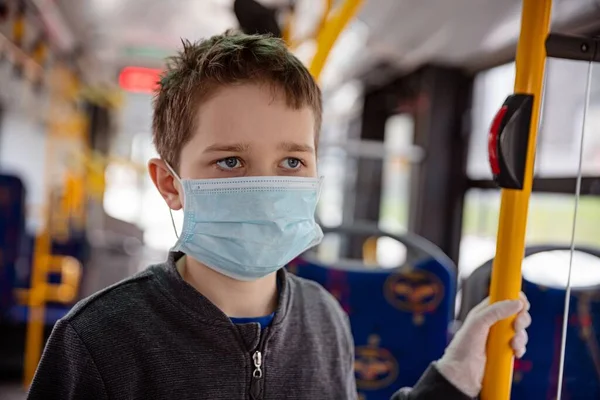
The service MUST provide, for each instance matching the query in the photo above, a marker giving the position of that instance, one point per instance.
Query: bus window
(395, 189)
(490, 89)
(558, 144)
(550, 221)
(550, 214)
(399, 132)
(23, 153)
(340, 122)
(122, 196)
(562, 118)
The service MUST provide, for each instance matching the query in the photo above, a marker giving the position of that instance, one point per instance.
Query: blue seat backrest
(399, 318)
(12, 230)
(75, 247)
(536, 375)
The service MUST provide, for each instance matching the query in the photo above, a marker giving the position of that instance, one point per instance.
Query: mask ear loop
(173, 222)
(172, 171)
(320, 184)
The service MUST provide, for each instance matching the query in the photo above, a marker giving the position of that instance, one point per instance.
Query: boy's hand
(463, 363)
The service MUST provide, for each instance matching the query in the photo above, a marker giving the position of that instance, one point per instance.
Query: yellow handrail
(506, 272)
(33, 71)
(65, 89)
(288, 26)
(286, 32)
(64, 292)
(37, 293)
(369, 251)
(324, 18)
(329, 33)
(19, 26)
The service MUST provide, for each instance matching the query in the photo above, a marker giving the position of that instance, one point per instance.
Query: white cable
(563, 344)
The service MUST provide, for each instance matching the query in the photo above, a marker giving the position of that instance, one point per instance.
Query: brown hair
(201, 68)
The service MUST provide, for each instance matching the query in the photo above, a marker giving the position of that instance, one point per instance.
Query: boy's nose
(262, 169)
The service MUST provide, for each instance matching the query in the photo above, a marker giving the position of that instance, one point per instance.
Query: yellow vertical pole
(19, 25)
(330, 32)
(286, 32)
(37, 294)
(82, 194)
(510, 247)
(34, 339)
(325, 16)
(288, 25)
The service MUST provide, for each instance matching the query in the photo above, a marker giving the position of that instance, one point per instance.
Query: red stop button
(493, 144)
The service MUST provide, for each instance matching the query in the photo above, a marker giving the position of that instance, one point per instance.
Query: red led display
(139, 79)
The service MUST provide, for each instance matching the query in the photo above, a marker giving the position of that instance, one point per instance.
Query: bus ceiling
(388, 35)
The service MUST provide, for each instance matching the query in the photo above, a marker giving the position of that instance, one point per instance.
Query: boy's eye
(291, 163)
(229, 163)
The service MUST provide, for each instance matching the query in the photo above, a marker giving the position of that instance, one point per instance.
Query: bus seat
(399, 317)
(475, 288)
(536, 374)
(53, 310)
(76, 246)
(12, 228)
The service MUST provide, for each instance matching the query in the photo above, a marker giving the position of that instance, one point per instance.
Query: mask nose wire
(171, 211)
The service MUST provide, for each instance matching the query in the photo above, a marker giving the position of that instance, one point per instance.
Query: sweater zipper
(257, 383)
(257, 360)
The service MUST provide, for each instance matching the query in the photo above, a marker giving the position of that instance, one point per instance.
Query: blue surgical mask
(247, 228)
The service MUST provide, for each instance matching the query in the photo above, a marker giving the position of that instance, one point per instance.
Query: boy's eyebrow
(295, 147)
(232, 148)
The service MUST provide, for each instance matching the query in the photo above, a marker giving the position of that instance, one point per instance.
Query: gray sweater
(155, 337)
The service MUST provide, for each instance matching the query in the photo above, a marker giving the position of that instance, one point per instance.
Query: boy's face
(243, 130)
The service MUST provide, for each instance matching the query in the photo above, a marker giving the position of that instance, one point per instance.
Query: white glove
(463, 363)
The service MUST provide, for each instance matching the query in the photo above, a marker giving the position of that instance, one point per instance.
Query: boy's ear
(166, 184)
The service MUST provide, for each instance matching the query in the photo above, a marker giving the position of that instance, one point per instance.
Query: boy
(236, 123)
